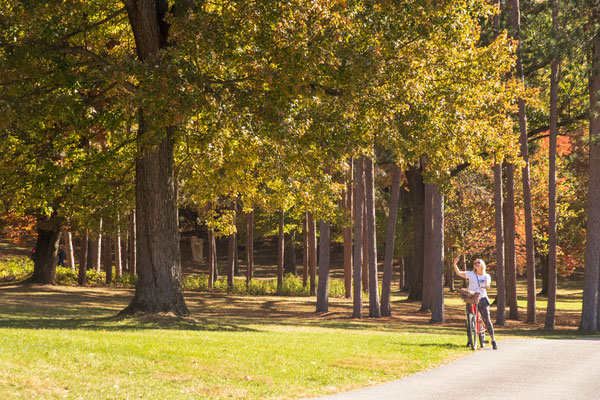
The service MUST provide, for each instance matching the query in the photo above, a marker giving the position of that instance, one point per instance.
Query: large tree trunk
(159, 264)
(417, 198)
(249, 246)
(437, 257)
(347, 202)
(357, 259)
(312, 254)
(46, 252)
(83, 255)
(324, 250)
(388, 263)
(590, 318)
(374, 309)
(280, 249)
(499, 224)
(552, 239)
(510, 255)
(529, 244)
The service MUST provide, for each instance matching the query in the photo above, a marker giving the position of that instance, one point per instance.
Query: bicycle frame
(479, 326)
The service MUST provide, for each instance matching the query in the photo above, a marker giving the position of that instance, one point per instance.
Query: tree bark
(590, 318)
(324, 252)
(83, 255)
(499, 224)
(388, 263)
(437, 258)
(529, 244)
(46, 252)
(280, 250)
(510, 254)
(357, 258)
(249, 246)
(365, 244)
(312, 253)
(552, 236)
(417, 199)
(374, 308)
(347, 201)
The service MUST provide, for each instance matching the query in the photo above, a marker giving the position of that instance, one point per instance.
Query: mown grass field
(65, 342)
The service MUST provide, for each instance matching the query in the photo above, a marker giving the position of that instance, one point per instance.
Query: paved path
(521, 369)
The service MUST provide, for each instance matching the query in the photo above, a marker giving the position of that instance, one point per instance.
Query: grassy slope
(64, 342)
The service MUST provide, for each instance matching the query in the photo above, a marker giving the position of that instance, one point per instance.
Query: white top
(477, 283)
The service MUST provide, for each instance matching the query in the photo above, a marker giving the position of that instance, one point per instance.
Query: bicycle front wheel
(472, 331)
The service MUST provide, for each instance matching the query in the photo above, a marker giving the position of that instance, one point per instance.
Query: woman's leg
(484, 310)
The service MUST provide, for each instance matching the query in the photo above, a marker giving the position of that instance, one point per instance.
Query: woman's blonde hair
(479, 260)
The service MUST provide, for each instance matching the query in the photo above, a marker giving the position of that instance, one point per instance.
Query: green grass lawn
(64, 342)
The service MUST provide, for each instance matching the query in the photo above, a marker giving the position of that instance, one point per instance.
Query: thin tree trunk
(388, 263)
(132, 244)
(428, 262)
(347, 201)
(249, 246)
(83, 255)
(70, 251)
(510, 254)
(590, 318)
(280, 250)
(499, 224)
(324, 250)
(529, 244)
(46, 252)
(98, 251)
(231, 256)
(552, 238)
(289, 254)
(365, 245)
(374, 308)
(212, 258)
(118, 255)
(437, 257)
(401, 273)
(357, 259)
(305, 250)
(417, 198)
(312, 254)
(107, 257)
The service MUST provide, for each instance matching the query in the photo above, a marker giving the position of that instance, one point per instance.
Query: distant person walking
(62, 256)
(479, 281)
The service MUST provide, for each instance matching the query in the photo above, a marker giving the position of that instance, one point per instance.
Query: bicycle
(475, 327)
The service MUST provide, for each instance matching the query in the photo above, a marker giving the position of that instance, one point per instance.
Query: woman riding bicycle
(479, 281)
